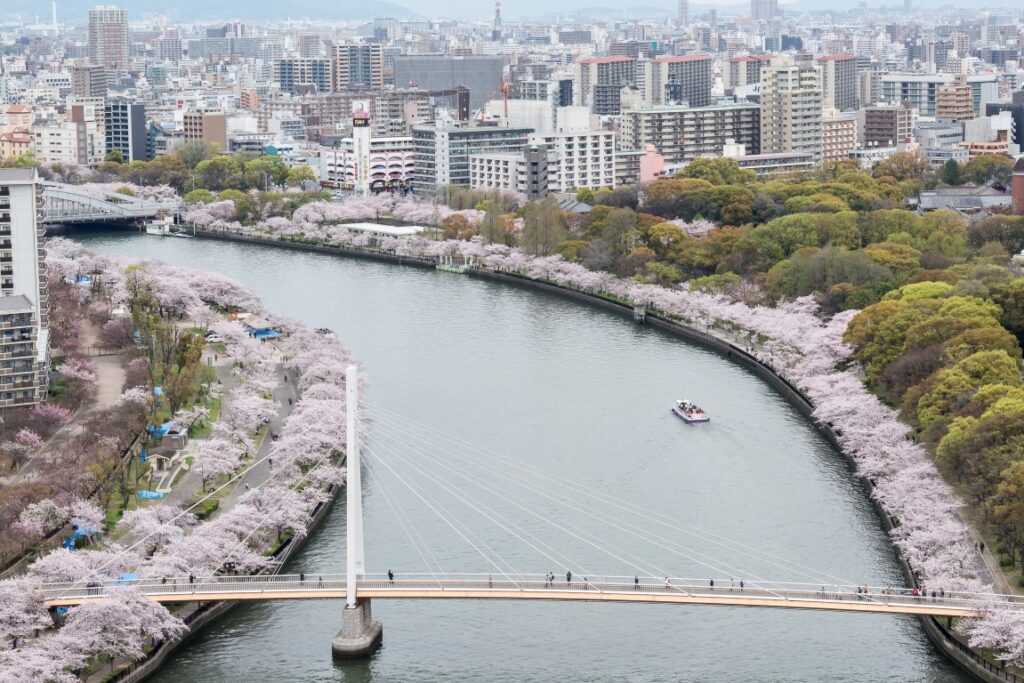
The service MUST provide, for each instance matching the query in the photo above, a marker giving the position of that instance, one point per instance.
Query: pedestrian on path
(636, 583)
(490, 581)
(391, 576)
(568, 577)
(741, 584)
(302, 577)
(668, 583)
(246, 486)
(320, 582)
(711, 583)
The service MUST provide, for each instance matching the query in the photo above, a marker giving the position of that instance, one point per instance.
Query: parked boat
(160, 226)
(689, 412)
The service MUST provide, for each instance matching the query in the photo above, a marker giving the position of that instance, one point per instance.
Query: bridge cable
(626, 506)
(446, 519)
(715, 565)
(600, 544)
(494, 516)
(381, 486)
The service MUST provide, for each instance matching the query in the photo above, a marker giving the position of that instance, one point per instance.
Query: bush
(206, 508)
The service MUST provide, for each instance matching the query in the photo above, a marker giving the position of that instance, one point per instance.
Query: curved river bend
(584, 395)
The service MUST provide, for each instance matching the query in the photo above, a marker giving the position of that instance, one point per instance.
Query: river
(584, 395)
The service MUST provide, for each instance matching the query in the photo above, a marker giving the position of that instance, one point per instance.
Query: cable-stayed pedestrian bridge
(73, 204)
(456, 486)
(617, 589)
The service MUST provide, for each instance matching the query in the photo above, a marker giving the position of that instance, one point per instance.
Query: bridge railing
(191, 588)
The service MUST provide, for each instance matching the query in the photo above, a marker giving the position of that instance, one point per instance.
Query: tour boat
(160, 226)
(689, 412)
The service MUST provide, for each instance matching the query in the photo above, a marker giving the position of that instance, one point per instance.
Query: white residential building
(24, 324)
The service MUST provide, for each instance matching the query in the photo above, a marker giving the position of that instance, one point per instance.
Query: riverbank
(243, 531)
(733, 347)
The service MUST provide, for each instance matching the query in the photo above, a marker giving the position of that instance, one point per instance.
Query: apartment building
(441, 151)
(24, 333)
(360, 66)
(681, 134)
(839, 82)
(791, 110)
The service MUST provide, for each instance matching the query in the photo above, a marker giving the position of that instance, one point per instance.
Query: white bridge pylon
(355, 550)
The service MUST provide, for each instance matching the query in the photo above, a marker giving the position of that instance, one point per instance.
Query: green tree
(987, 167)
(219, 173)
(300, 174)
(718, 171)
(114, 156)
(200, 196)
(951, 172)
(543, 227)
(1006, 509)
(902, 166)
(192, 153)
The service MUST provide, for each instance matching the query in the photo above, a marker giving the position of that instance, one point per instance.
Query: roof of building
(17, 175)
(573, 206)
(752, 58)
(672, 59)
(18, 109)
(963, 198)
(606, 60)
(388, 230)
(836, 58)
(1019, 166)
(15, 304)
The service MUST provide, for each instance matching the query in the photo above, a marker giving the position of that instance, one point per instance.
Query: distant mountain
(185, 11)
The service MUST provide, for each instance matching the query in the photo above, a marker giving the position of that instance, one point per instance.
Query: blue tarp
(80, 532)
(146, 495)
(158, 391)
(128, 577)
(265, 333)
(83, 279)
(142, 455)
(159, 432)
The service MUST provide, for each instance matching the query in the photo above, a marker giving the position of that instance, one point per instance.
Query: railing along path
(538, 587)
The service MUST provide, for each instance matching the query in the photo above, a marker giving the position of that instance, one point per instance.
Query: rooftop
(673, 59)
(387, 230)
(606, 60)
(17, 175)
(15, 304)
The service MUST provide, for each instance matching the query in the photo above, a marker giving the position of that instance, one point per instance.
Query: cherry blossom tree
(155, 527)
(116, 627)
(21, 610)
(216, 457)
(87, 516)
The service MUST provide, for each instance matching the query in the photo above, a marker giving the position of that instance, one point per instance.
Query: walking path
(110, 381)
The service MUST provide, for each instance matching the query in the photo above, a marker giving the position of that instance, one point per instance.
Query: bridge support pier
(360, 634)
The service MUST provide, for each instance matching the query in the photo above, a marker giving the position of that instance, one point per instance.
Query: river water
(583, 395)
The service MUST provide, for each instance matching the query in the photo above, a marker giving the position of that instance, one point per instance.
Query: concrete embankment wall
(959, 654)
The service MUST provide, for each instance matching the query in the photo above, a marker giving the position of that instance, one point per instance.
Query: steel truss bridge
(73, 204)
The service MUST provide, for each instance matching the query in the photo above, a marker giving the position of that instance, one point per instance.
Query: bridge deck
(315, 587)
